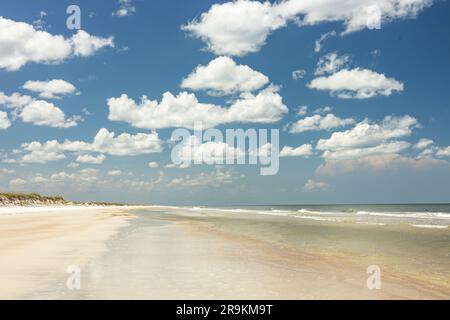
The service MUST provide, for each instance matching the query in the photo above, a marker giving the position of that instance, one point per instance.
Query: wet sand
(167, 253)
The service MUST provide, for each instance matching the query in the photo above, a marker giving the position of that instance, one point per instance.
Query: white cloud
(216, 178)
(85, 44)
(183, 165)
(184, 110)
(323, 110)
(383, 148)
(427, 153)
(301, 151)
(377, 162)
(357, 84)
(302, 110)
(105, 142)
(41, 154)
(423, 143)
(323, 37)
(17, 182)
(318, 122)
(298, 74)
(241, 27)
(43, 113)
(50, 89)
(236, 28)
(208, 152)
(366, 134)
(126, 8)
(16, 100)
(114, 173)
(312, 185)
(23, 44)
(91, 159)
(153, 164)
(81, 177)
(371, 145)
(223, 76)
(330, 63)
(73, 165)
(444, 152)
(38, 112)
(4, 121)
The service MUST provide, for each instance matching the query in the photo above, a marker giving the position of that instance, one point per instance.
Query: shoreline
(11, 210)
(173, 253)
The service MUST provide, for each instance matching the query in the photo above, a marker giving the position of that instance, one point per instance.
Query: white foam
(414, 215)
(429, 226)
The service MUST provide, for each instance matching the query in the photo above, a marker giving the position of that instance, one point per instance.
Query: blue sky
(400, 71)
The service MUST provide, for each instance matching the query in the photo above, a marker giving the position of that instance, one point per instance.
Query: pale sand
(160, 256)
(38, 244)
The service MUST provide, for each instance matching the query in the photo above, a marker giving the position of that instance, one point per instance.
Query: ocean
(417, 215)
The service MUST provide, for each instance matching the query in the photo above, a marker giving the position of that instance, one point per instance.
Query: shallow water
(229, 253)
(417, 215)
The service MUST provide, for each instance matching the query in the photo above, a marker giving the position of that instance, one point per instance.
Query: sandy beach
(173, 253)
(38, 244)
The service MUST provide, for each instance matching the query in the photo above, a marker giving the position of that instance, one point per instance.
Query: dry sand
(37, 245)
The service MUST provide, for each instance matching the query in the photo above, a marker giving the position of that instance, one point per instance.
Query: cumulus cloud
(423, 143)
(323, 37)
(236, 28)
(50, 89)
(302, 110)
(126, 8)
(367, 134)
(17, 182)
(377, 162)
(207, 152)
(23, 44)
(43, 113)
(330, 63)
(223, 76)
(37, 112)
(90, 159)
(370, 145)
(443, 152)
(4, 121)
(301, 151)
(184, 110)
(153, 164)
(357, 84)
(383, 148)
(241, 27)
(219, 176)
(318, 122)
(114, 173)
(323, 110)
(105, 142)
(298, 74)
(84, 44)
(312, 185)
(16, 100)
